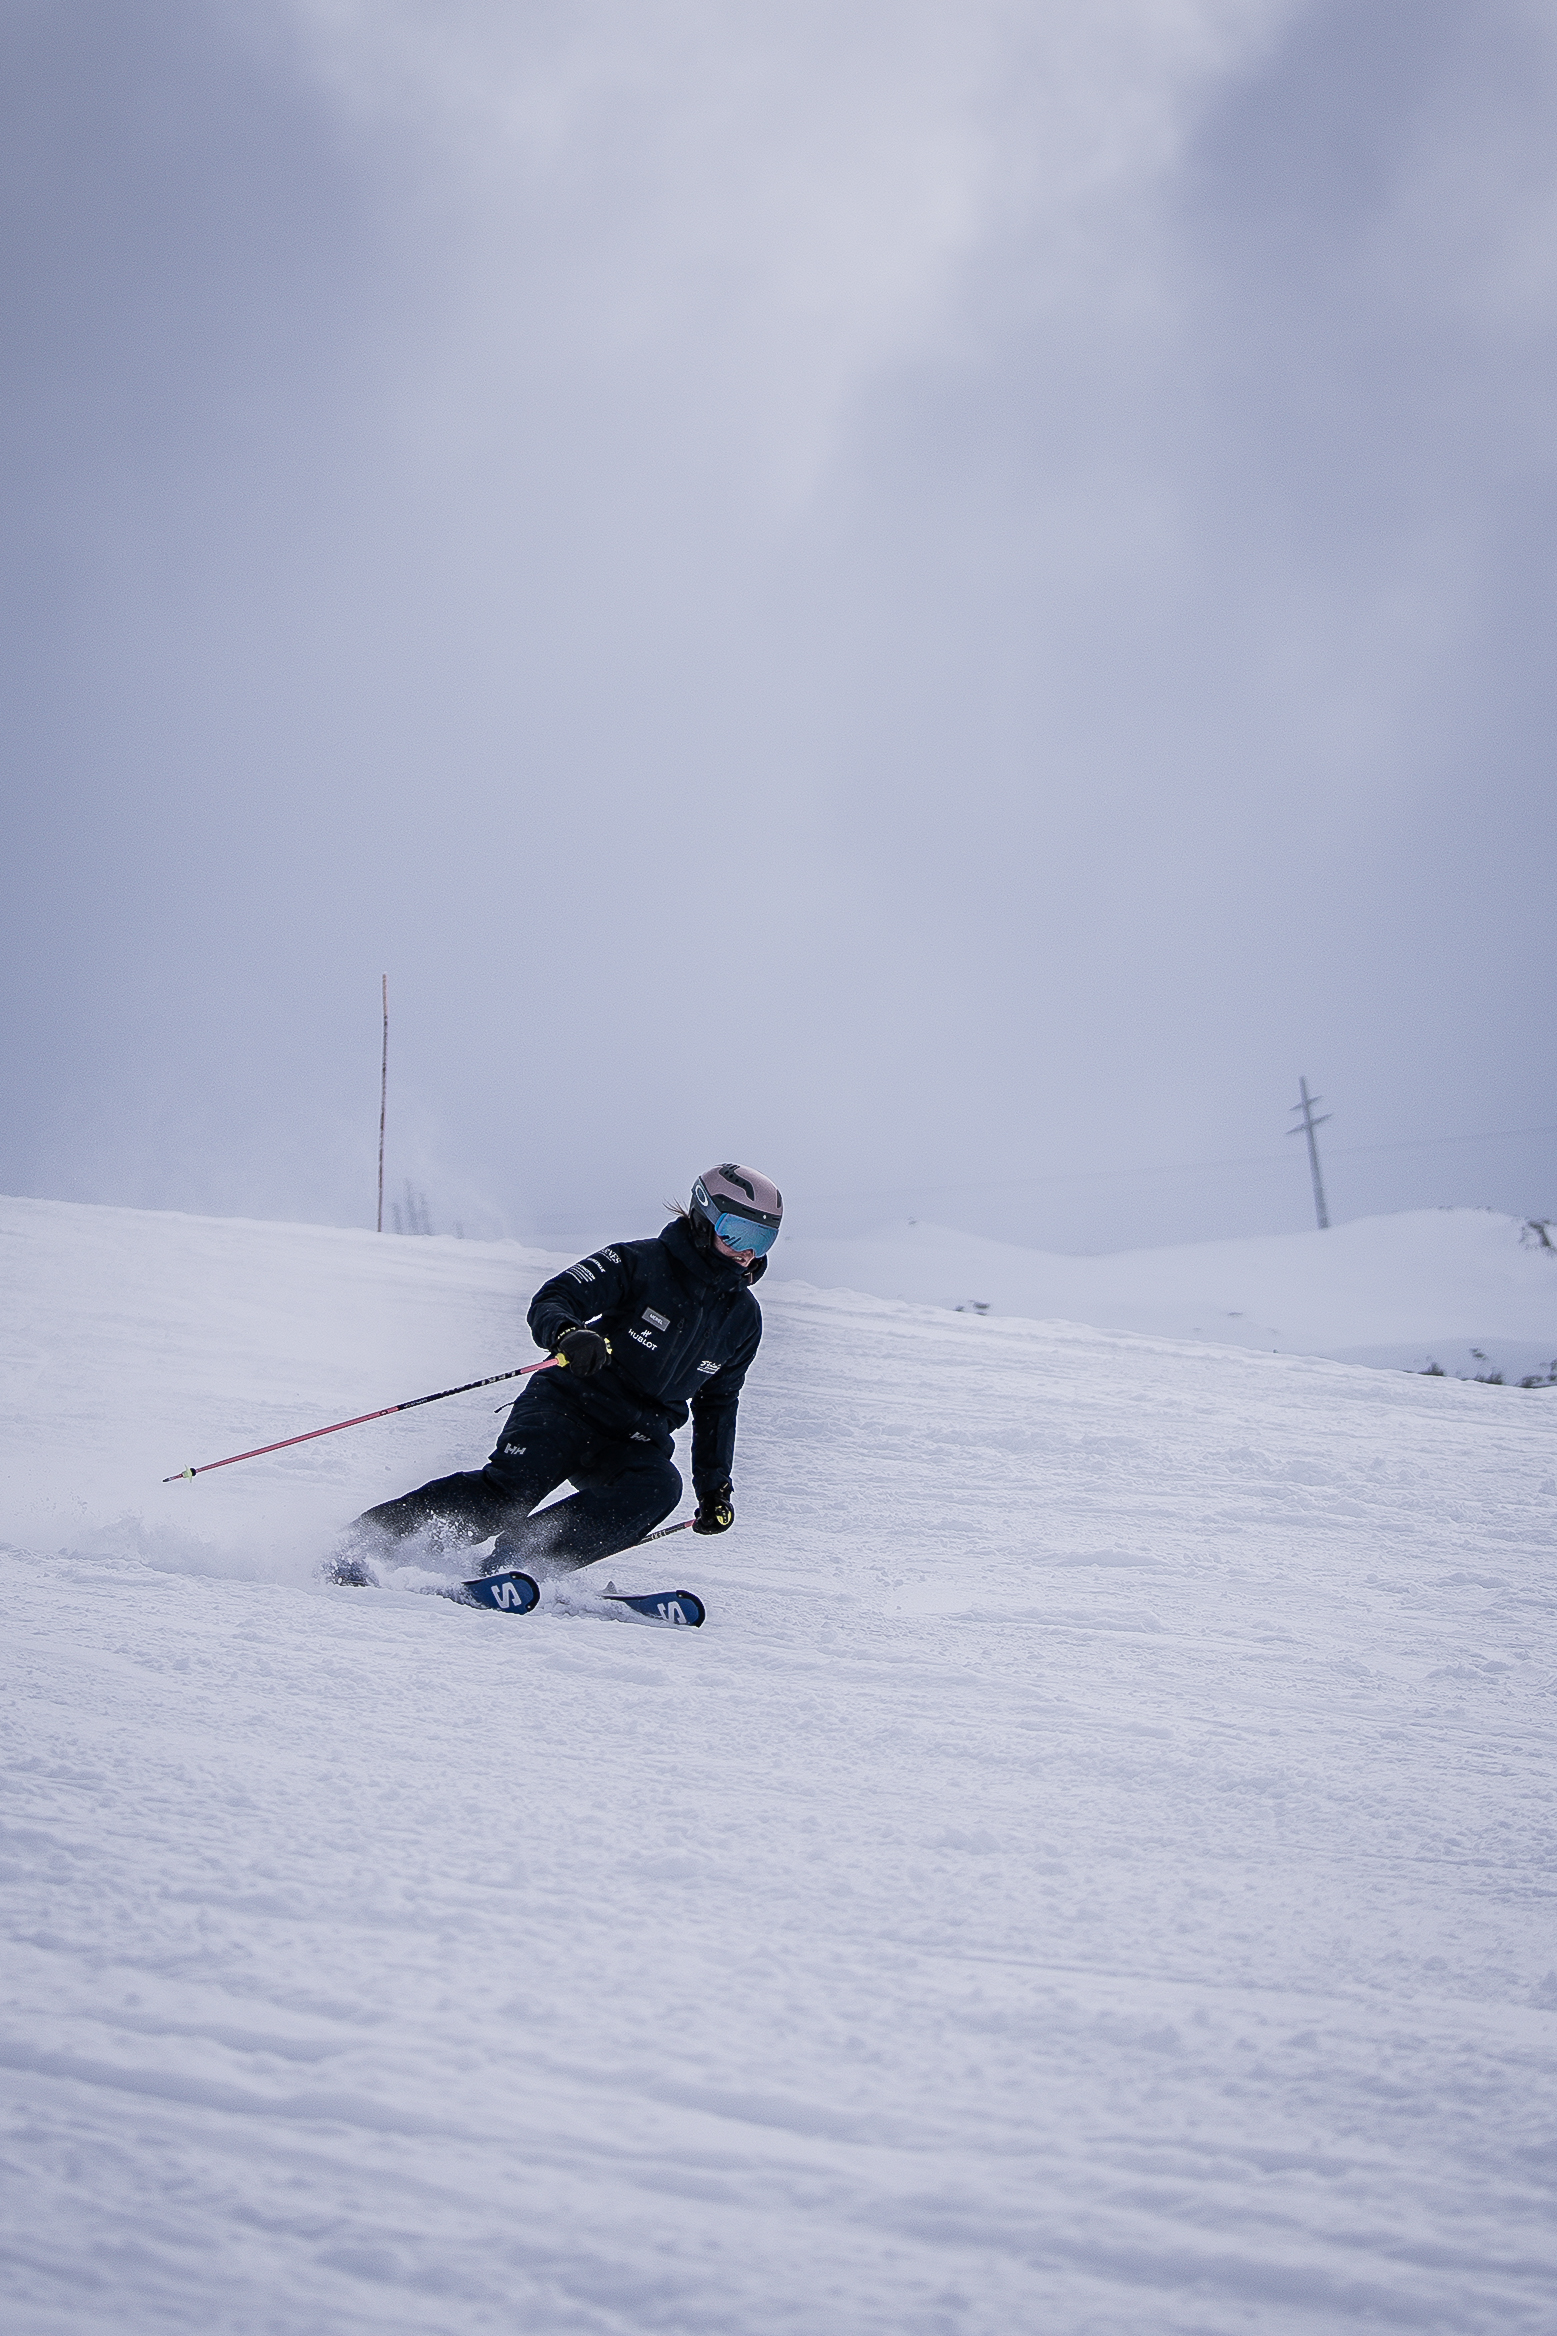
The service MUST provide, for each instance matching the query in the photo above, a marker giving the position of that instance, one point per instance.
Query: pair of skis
(516, 1593)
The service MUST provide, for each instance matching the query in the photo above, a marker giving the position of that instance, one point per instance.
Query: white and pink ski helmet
(744, 1207)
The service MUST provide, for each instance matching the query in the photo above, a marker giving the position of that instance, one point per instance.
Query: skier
(639, 1330)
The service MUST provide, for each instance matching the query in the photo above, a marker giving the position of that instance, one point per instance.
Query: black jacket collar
(707, 1266)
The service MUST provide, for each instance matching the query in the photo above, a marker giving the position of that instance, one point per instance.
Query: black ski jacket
(683, 1329)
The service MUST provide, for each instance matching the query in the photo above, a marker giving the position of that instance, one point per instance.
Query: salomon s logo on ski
(509, 1593)
(681, 1609)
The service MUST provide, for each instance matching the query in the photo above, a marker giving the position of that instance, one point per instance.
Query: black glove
(584, 1351)
(715, 1510)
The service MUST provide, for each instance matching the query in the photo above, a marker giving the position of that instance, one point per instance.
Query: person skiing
(641, 1331)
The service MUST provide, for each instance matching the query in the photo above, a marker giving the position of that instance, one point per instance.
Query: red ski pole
(551, 1363)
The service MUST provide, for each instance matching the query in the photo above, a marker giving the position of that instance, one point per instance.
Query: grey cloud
(891, 592)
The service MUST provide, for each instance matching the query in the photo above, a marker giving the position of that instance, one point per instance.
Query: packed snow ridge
(1093, 1873)
(1465, 1289)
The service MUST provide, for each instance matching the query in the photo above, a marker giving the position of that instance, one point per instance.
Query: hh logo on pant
(507, 1594)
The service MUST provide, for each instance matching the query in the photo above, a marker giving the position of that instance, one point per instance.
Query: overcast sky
(941, 598)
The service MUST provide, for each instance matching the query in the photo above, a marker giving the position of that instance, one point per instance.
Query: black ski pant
(624, 1489)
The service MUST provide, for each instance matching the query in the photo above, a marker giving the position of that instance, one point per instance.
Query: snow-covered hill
(1470, 1290)
(1092, 1874)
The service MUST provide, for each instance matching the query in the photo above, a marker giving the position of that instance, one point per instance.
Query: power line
(1194, 1167)
(1496, 1135)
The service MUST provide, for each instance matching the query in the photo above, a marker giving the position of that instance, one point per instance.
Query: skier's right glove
(715, 1511)
(584, 1351)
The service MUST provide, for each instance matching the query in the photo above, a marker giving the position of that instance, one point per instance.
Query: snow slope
(1427, 1285)
(1094, 1872)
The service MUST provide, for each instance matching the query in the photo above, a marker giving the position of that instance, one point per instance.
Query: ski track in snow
(1093, 1873)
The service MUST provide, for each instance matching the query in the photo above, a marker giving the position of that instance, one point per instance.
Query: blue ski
(509, 1593)
(680, 1608)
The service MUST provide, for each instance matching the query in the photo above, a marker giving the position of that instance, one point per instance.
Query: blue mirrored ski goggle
(741, 1233)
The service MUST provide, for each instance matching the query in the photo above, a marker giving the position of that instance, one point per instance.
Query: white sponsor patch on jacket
(610, 1254)
(660, 1321)
(708, 1366)
(581, 1273)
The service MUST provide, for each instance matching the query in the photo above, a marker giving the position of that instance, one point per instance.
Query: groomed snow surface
(1093, 1873)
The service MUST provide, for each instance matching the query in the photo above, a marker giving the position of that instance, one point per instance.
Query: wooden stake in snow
(383, 1099)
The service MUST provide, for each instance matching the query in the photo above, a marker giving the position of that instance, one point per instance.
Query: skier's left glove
(715, 1510)
(583, 1351)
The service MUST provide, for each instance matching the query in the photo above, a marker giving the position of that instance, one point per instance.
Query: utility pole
(1306, 1128)
(383, 1102)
